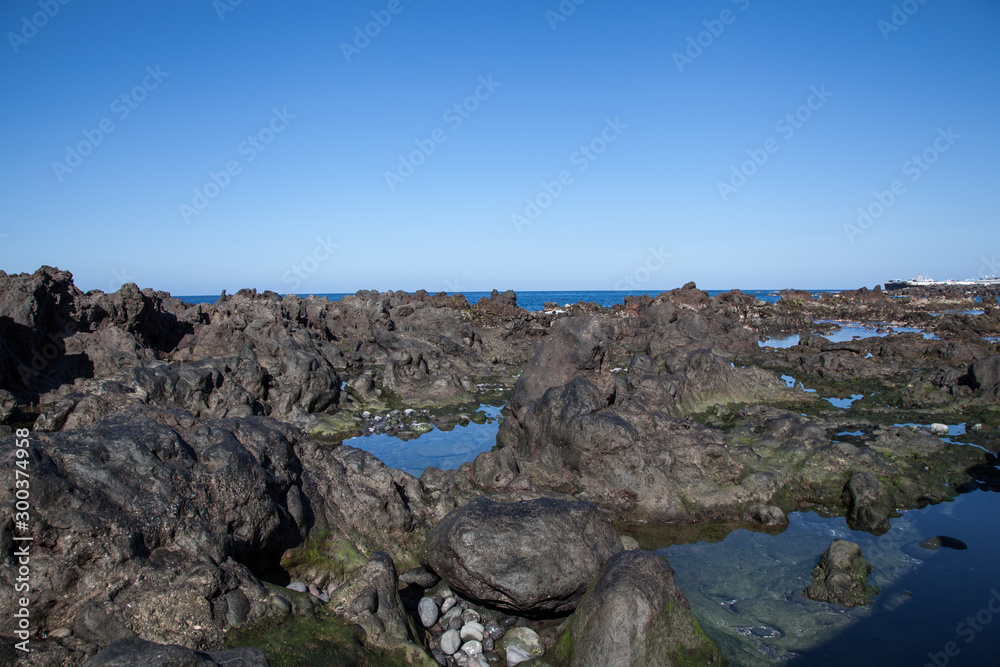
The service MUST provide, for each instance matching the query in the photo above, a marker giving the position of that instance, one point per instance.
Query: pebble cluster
(395, 421)
(461, 635)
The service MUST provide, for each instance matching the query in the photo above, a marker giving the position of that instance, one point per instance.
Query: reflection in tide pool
(790, 382)
(746, 590)
(445, 450)
(844, 403)
(851, 330)
(785, 342)
(848, 331)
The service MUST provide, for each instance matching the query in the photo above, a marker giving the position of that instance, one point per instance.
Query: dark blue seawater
(536, 300)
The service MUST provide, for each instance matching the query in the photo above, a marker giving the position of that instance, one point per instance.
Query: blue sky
(666, 121)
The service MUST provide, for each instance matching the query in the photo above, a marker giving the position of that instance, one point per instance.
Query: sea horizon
(535, 300)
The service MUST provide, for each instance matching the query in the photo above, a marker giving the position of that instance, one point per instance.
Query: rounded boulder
(532, 558)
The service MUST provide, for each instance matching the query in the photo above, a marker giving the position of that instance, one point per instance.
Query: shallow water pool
(446, 450)
(848, 331)
(746, 590)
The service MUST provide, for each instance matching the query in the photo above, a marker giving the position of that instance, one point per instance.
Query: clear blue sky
(679, 125)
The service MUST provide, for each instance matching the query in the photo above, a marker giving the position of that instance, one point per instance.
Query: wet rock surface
(187, 464)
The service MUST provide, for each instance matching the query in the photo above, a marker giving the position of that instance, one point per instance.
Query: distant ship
(921, 280)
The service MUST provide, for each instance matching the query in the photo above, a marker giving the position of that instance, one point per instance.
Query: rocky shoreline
(187, 462)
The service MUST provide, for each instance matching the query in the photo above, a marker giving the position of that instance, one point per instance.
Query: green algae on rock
(841, 576)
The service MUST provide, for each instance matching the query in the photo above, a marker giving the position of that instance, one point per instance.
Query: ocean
(536, 300)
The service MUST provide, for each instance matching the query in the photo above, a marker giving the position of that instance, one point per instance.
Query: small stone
(60, 633)
(472, 630)
(298, 587)
(428, 612)
(520, 645)
(456, 623)
(473, 647)
(934, 543)
(313, 591)
(439, 657)
(476, 661)
(448, 603)
(461, 659)
(487, 644)
(420, 576)
(450, 615)
(510, 621)
(517, 655)
(939, 429)
(450, 642)
(470, 615)
(495, 631)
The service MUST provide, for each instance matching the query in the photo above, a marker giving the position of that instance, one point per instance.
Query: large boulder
(986, 373)
(635, 615)
(531, 558)
(630, 457)
(575, 347)
(154, 524)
